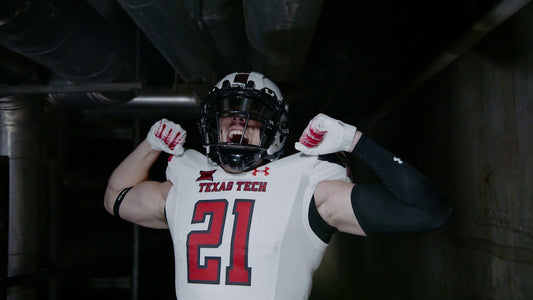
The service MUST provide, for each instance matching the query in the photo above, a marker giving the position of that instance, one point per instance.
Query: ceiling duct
(71, 41)
(172, 31)
(280, 33)
(222, 22)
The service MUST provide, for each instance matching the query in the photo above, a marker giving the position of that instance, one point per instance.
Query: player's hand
(167, 136)
(324, 135)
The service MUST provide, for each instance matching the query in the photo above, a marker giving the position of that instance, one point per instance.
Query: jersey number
(238, 272)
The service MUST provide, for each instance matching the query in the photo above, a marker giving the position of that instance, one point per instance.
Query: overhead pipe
(71, 41)
(68, 88)
(153, 103)
(223, 23)
(162, 98)
(279, 34)
(170, 28)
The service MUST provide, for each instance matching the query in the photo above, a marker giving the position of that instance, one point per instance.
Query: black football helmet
(248, 96)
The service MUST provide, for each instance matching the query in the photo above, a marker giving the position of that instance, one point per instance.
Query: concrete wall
(470, 131)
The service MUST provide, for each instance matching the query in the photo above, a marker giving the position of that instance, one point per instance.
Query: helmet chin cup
(238, 160)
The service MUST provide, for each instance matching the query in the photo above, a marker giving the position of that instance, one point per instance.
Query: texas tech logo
(206, 175)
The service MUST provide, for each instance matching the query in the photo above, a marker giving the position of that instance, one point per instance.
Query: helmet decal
(242, 78)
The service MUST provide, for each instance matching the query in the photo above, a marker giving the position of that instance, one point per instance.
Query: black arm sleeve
(322, 229)
(405, 201)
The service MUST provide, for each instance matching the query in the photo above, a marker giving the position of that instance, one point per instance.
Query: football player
(247, 224)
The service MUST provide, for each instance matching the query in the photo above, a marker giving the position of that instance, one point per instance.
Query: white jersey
(245, 235)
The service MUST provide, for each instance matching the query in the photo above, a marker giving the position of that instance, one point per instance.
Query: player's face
(231, 130)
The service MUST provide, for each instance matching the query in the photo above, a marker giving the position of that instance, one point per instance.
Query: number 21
(238, 272)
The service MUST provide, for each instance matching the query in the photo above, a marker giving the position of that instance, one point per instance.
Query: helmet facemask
(257, 136)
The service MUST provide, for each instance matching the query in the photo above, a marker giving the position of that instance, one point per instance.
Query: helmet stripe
(242, 77)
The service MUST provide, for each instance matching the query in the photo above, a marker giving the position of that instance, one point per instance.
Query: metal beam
(75, 88)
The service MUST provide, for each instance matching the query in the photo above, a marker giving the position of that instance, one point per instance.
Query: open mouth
(235, 136)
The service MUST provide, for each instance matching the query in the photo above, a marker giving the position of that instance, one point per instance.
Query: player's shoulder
(334, 166)
(338, 158)
(189, 157)
(190, 161)
(296, 159)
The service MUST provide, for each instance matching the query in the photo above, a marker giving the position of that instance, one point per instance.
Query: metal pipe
(20, 140)
(71, 41)
(151, 103)
(136, 231)
(72, 88)
(54, 226)
(164, 98)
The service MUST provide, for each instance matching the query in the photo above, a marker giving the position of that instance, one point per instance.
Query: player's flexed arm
(405, 201)
(129, 195)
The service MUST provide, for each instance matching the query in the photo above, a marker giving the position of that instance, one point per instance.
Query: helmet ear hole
(250, 84)
(226, 84)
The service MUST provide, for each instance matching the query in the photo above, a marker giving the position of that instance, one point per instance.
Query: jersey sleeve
(178, 166)
(172, 169)
(179, 163)
(330, 167)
